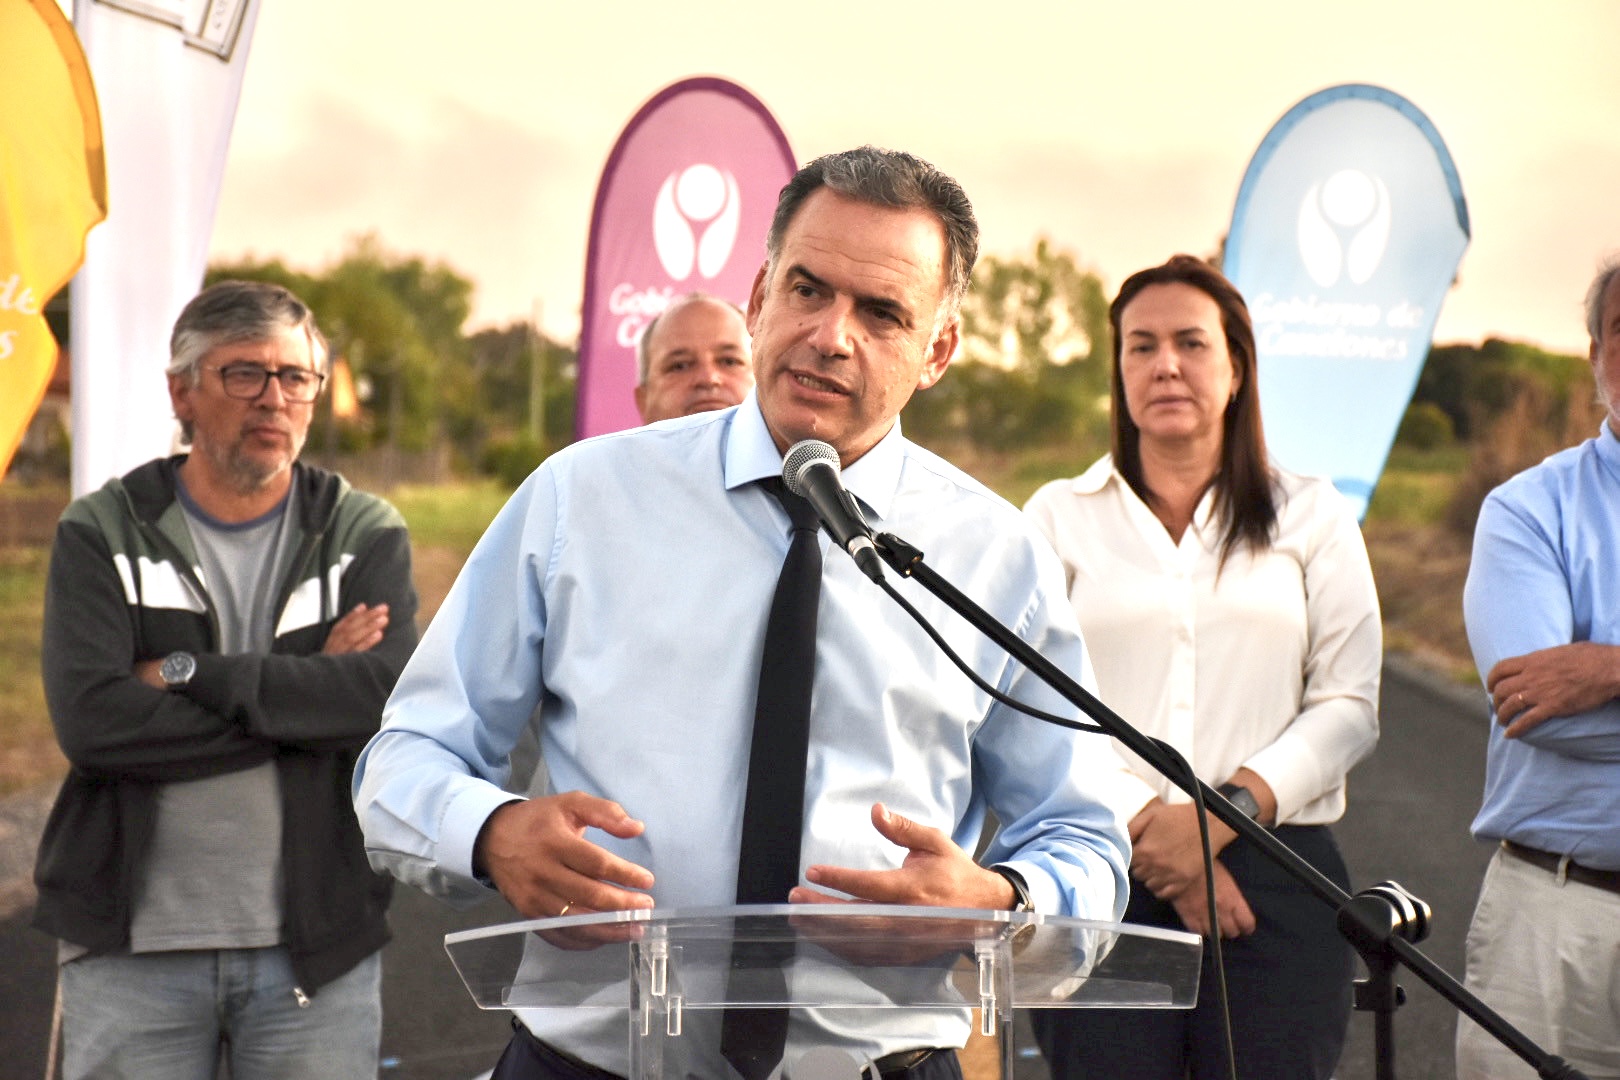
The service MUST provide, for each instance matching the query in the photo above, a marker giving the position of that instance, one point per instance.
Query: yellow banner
(53, 189)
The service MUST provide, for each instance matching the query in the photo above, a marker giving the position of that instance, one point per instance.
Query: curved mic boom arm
(1381, 923)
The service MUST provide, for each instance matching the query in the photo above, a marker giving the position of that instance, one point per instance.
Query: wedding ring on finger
(565, 908)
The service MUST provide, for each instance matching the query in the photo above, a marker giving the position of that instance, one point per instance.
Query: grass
(1417, 487)
(28, 749)
(450, 516)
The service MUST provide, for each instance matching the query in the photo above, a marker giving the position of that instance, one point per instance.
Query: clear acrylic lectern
(856, 978)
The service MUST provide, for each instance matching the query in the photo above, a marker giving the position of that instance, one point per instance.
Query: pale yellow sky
(1119, 131)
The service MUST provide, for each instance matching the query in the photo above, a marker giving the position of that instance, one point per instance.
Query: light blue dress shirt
(1545, 572)
(623, 591)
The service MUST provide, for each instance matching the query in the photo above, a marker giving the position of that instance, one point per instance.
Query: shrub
(511, 458)
(1537, 422)
(1426, 426)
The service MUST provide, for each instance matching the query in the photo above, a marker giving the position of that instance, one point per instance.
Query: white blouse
(1272, 662)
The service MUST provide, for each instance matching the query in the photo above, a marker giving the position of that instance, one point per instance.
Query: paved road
(1410, 808)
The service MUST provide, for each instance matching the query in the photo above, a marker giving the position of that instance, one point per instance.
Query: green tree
(397, 321)
(1034, 359)
(503, 361)
(1035, 313)
(1475, 384)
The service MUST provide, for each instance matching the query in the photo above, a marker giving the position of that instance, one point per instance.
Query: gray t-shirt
(212, 876)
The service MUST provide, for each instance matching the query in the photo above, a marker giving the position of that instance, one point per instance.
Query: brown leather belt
(1607, 880)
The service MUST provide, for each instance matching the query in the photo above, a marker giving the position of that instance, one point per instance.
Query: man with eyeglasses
(221, 630)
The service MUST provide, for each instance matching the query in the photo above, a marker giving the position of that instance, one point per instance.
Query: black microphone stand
(1381, 923)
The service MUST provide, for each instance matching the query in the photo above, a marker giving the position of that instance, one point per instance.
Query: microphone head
(801, 456)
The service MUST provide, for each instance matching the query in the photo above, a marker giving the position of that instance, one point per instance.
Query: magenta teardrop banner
(684, 204)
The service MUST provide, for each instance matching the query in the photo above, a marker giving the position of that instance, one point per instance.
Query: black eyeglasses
(247, 381)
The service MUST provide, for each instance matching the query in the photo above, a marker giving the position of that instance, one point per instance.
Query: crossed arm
(359, 629)
(109, 721)
(1547, 687)
(1563, 680)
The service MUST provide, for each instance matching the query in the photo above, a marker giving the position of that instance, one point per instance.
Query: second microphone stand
(1381, 923)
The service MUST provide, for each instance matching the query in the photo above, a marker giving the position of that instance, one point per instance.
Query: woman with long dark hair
(1229, 610)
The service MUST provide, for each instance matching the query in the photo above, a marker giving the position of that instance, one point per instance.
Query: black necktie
(773, 810)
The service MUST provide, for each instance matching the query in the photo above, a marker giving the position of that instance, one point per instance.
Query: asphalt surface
(1410, 805)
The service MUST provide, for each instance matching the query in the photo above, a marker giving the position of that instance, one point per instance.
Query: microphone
(810, 469)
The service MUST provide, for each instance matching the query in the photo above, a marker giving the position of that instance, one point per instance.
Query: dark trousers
(1288, 983)
(527, 1058)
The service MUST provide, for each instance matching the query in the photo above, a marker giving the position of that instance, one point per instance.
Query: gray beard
(246, 476)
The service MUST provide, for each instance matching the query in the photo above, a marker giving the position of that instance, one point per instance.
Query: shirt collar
(1608, 444)
(1102, 473)
(1097, 477)
(751, 455)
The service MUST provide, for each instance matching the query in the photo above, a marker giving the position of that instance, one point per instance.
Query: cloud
(1538, 238)
(1119, 214)
(450, 183)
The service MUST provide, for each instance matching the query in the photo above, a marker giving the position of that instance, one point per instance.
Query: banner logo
(1344, 227)
(698, 198)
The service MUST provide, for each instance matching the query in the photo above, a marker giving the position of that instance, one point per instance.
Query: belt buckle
(899, 1061)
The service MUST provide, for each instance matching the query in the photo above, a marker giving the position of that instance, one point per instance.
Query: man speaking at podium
(621, 602)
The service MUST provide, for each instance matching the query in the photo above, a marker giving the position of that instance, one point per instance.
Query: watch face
(177, 668)
(1242, 798)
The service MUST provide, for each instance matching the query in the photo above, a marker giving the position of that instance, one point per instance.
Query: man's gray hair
(644, 342)
(894, 179)
(230, 311)
(1594, 295)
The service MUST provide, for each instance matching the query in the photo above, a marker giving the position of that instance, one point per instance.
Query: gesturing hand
(936, 872)
(536, 853)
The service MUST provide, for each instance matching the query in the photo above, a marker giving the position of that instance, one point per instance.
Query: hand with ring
(1564, 679)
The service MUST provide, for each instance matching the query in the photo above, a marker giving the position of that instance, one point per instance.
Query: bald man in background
(694, 357)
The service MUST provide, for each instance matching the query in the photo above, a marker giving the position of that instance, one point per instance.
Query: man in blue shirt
(1542, 606)
(623, 591)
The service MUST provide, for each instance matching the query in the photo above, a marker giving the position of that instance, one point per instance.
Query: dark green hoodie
(122, 589)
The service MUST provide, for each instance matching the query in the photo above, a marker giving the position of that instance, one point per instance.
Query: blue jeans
(176, 1015)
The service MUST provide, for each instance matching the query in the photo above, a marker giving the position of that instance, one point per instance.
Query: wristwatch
(177, 669)
(1021, 900)
(1242, 798)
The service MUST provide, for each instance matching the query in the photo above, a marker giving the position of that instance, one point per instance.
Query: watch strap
(1242, 798)
(1020, 887)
